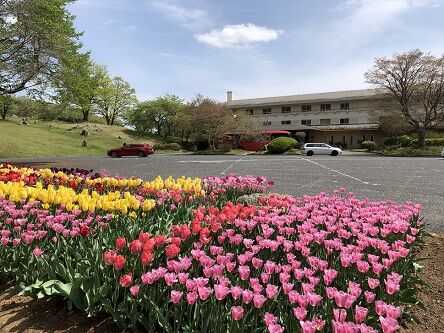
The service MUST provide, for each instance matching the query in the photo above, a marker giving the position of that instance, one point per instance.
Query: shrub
(187, 145)
(369, 145)
(435, 142)
(281, 145)
(166, 146)
(405, 141)
(391, 141)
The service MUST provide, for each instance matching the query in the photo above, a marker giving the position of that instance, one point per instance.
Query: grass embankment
(62, 139)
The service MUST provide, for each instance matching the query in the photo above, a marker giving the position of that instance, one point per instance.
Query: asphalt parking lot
(419, 180)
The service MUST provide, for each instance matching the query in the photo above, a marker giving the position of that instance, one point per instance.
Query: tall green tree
(78, 83)
(35, 37)
(114, 98)
(156, 115)
(6, 102)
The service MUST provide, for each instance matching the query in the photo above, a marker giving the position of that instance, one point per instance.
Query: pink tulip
(369, 296)
(271, 291)
(220, 292)
(388, 325)
(339, 315)
(237, 312)
(134, 290)
(372, 283)
(258, 300)
(236, 292)
(176, 296)
(274, 328)
(37, 252)
(360, 314)
(308, 326)
(247, 296)
(204, 293)
(300, 313)
(269, 319)
(192, 297)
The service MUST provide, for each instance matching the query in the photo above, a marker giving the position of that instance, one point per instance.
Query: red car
(136, 149)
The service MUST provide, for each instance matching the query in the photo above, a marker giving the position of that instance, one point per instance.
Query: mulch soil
(24, 314)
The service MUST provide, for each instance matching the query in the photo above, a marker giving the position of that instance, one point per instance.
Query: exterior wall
(360, 112)
(352, 138)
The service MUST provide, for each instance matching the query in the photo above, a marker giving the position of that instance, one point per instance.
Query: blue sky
(256, 48)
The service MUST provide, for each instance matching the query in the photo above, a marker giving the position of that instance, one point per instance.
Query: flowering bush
(184, 256)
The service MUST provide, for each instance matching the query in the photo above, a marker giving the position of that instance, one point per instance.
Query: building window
(286, 109)
(306, 122)
(345, 106)
(372, 138)
(325, 107)
(363, 137)
(286, 122)
(266, 111)
(306, 108)
(250, 112)
(344, 121)
(266, 123)
(325, 122)
(331, 139)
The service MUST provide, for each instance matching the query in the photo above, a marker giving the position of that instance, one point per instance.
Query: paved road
(376, 177)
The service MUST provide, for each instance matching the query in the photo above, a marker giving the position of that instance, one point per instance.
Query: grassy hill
(62, 139)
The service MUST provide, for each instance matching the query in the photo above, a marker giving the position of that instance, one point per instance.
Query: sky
(256, 48)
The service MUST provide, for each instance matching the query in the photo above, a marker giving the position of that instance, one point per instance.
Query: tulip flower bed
(185, 256)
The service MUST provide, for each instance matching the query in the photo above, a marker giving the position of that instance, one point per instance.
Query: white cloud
(189, 18)
(238, 36)
(129, 28)
(362, 20)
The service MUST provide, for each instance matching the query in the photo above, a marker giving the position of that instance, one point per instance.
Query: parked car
(310, 149)
(136, 149)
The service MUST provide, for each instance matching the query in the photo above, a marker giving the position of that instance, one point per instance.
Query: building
(343, 117)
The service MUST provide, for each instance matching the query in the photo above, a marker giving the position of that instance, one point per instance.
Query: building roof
(308, 98)
(346, 127)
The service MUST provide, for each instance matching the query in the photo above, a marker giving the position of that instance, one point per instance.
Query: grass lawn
(413, 151)
(62, 139)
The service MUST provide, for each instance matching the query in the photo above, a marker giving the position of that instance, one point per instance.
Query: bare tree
(210, 120)
(414, 81)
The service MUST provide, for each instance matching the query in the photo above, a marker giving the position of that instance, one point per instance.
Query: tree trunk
(421, 137)
(4, 111)
(85, 114)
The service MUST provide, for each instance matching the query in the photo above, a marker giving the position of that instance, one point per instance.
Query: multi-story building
(342, 117)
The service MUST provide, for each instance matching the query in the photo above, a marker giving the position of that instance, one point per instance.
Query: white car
(310, 149)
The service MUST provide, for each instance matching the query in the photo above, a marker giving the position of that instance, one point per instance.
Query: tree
(242, 126)
(114, 97)
(78, 82)
(210, 120)
(414, 81)
(156, 115)
(35, 37)
(6, 102)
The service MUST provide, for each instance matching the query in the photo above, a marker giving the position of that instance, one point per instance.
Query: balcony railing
(299, 112)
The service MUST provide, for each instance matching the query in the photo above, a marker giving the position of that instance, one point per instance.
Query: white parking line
(336, 171)
(232, 165)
